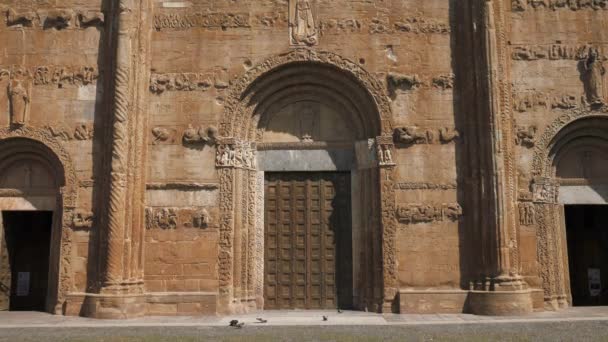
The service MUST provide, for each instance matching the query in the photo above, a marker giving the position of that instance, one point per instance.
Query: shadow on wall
(467, 156)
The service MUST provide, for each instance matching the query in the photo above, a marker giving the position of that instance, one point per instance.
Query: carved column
(497, 173)
(121, 293)
(385, 149)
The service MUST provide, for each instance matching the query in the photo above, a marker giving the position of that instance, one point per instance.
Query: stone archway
(565, 135)
(36, 147)
(297, 77)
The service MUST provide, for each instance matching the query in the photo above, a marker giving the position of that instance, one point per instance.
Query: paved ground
(575, 324)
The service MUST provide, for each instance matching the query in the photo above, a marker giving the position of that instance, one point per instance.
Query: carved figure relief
(82, 219)
(425, 213)
(19, 90)
(159, 83)
(573, 5)
(413, 135)
(201, 219)
(526, 214)
(236, 154)
(200, 135)
(526, 136)
(594, 72)
(187, 20)
(534, 100)
(57, 18)
(302, 26)
(160, 134)
(444, 81)
(402, 82)
(552, 52)
(544, 190)
(164, 218)
(91, 18)
(83, 131)
(20, 18)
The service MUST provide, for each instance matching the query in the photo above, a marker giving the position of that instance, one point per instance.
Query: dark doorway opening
(587, 234)
(24, 255)
(308, 241)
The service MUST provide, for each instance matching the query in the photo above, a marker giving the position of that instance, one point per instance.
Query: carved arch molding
(41, 144)
(549, 219)
(241, 250)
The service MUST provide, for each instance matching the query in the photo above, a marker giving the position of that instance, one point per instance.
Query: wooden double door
(308, 241)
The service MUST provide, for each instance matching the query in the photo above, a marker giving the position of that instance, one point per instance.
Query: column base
(106, 306)
(500, 303)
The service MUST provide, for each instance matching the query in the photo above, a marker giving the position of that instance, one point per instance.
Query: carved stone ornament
(201, 219)
(526, 136)
(19, 90)
(384, 151)
(58, 18)
(527, 213)
(200, 135)
(413, 135)
(82, 219)
(594, 72)
(397, 81)
(554, 5)
(164, 218)
(425, 213)
(237, 154)
(83, 131)
(545, 190)
(302, 23)
(205, 20)
(189, 81)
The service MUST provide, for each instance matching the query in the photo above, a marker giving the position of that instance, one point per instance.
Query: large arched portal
(305, 162)
(571, 195)
(35, 199)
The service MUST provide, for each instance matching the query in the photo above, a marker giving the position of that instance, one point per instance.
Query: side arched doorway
(307, 201)
(34, 246)
(572, 210)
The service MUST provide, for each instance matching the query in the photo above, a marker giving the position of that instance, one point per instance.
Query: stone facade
(156, 120)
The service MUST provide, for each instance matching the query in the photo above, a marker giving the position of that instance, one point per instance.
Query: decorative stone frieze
(557, 5)
(82, 219)
(527, 212)
(414, 213)
(237, 154)
(187, 20)
(413, 135)
(56, 18)
(545, 190)
(159, 83)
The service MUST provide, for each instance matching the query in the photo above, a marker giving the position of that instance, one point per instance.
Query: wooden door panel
(307, 220)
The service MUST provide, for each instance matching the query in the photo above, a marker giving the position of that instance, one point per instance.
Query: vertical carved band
(120, 128)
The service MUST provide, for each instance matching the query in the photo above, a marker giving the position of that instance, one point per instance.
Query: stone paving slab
(298, 318)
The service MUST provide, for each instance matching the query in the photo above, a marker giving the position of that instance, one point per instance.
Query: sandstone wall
(550, 42)
(56, 44)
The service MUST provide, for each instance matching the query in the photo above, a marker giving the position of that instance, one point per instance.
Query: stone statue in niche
(302, 27)
(19, 96)
(594, 72)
